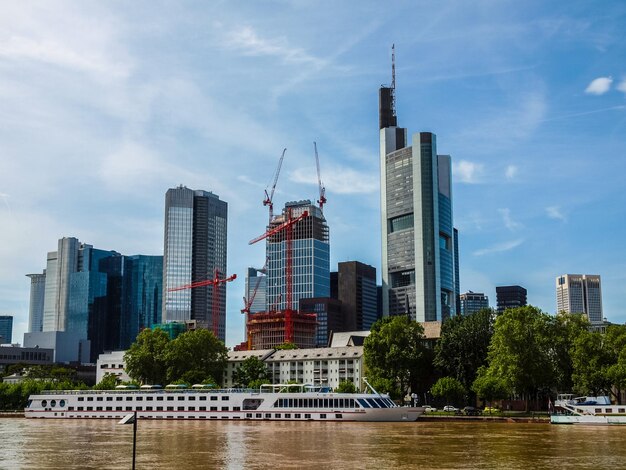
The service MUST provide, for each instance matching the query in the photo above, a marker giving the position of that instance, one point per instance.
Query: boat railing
(152, 391)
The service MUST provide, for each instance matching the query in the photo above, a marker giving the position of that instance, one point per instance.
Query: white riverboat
(271, 402)
(587, 410)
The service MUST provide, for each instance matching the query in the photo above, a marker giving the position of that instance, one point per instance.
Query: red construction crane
(215, 282)
(322, 200)
(287, 226)
(268, 201)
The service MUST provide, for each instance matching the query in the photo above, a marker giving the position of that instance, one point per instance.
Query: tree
(566, 328)
(591, 360)
(521, 352)
(395, 351)
(449, 388)
(195, 356)
(346, 386)
(109, 382)
(146, 358)
(464, 345)
(489, 388)
(286, 345)
(251, 370)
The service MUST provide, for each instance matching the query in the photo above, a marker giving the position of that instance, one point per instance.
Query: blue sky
(105, 105)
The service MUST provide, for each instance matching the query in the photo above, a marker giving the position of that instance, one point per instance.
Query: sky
(106, 105)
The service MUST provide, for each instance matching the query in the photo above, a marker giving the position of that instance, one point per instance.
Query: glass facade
(6, 329)
(37, 298)
(310, 258)
(195, 247)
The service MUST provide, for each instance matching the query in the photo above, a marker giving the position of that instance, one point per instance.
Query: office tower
(6, 329)
(195, 247)
(472, 302)
(580, 293)
(419, 265)
(132, 301)
(510, 297)
(37, 297)
(457, 277)
(329, 314)
(256, 285)
(310, 257)
(357, 293)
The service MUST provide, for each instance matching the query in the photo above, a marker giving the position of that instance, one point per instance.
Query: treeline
(194, 357)
(523, 353)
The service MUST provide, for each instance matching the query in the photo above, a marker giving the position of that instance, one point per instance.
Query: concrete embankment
(11, 414)
(499, 419)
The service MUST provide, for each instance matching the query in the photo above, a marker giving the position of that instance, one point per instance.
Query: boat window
(322, 416)
(373, 402)
(81, 398)
(44, 403)
(620, 410)
(191, 397)
(53, 403)
(307, 416)
(80, 408)
(118, 408)
(214, 408)
(181, 398)
(89, 398)
(159, 398)
(608, 410)
(338, 415)
(225, 397)
(213, 397)
(170, 398)
(363, 403)
(116, 399)
(380, 402)
(109, 398)
(277, 415)
(297, 415)
(598, 410)
(202, 398)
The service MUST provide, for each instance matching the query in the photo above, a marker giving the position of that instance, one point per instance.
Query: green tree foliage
(449, 388)
(521, 352)
(464, 345)
(195, 356)
(346, 386)
(565, 328)
(592, 359)
(396, 351)
(109, 382)
(146, 358)
(15, 396)
(286, 346)
(251, 370)
(488, 387)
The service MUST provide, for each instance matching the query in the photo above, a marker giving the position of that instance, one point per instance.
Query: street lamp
(132, 419)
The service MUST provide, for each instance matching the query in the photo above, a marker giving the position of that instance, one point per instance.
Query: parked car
(471, 411)
(429, 409)
(450, 408)
(490, 410)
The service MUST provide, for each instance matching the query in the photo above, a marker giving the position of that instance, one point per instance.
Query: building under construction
(267, 330)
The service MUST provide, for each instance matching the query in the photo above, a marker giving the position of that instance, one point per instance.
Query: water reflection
(50, 444)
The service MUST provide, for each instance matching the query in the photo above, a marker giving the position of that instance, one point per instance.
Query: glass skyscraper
(310, 255)
(195, 246)
(419, 243)
(6, 329)
(37, 297)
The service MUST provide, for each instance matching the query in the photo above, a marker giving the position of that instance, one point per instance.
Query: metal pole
(134, 438)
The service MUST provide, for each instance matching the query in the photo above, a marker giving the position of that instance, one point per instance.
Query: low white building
(318, 366)
(112, 363)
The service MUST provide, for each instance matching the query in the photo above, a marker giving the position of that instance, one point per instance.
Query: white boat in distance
(587, 410)
(284, 402)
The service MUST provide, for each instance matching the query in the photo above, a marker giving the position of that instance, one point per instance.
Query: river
(79, 444)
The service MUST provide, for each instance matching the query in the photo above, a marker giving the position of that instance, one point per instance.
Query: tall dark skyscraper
(195, 246)
(419, 243)
(6, 329)
(510, 297)
(357, 293)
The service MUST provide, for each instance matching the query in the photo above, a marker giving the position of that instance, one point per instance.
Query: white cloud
(498, 248)
(554, 212)
(510, 172)
(339, 179)
(621, 86)
(599, 86)
(467, 172)
(509, 223)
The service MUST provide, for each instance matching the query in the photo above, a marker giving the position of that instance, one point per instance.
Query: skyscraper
(195, 247)
(6, 329)
(37, 297)
(472, 302)
(419, 244)
(580, 293)
(357, 293)
(310, 257)
(510, 297)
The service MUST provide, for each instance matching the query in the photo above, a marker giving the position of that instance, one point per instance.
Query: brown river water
(95, 444)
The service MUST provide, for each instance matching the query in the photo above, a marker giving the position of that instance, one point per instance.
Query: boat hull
(588, 419)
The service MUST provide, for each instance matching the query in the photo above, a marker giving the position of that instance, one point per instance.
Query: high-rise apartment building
(510, 297)
(310, 257)
(580, 293)
(419, 243)
(37, 297)
(6, 329)
(195, 247)
(472, 302)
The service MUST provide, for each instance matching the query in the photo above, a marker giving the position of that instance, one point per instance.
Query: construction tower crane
(287, 226)
(269, 197)
(215, 282)
(322, 200)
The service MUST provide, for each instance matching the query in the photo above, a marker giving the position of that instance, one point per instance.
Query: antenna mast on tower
(393, 80)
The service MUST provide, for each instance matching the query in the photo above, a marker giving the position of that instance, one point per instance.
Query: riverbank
(11, 414)
(485, 419)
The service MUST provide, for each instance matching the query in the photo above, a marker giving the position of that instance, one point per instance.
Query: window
(139, 398)
(202, 398)
(159, 408)
(287, 415)
(159, 398)
(170, 408)
(149, 398)
(180, 398)
(170, 398)
(109, 398)
(148, 408)
(202, 408)
(236, 408)
(119, 398)
(192, 398)
(277, 415)
(98, 408)
(307, 416)
(323, 416)
(620, 410)
(268, 415)
(248, 415)
(225, 397)
(297, 415)
(191, 408)
(129, 408)
(79, 399)
(181, 408)
(138, 408)
(214, 408)
(80, 408)
(118, 408)
(98, 398)
(224, 408)
(402, 222)
(89, 398)
(259, 415)
(90, 408)
(70, 408)
(213, 398)
(338, 415)
(129, 398)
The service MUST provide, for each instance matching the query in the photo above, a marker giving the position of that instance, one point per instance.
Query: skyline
(103, 107)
